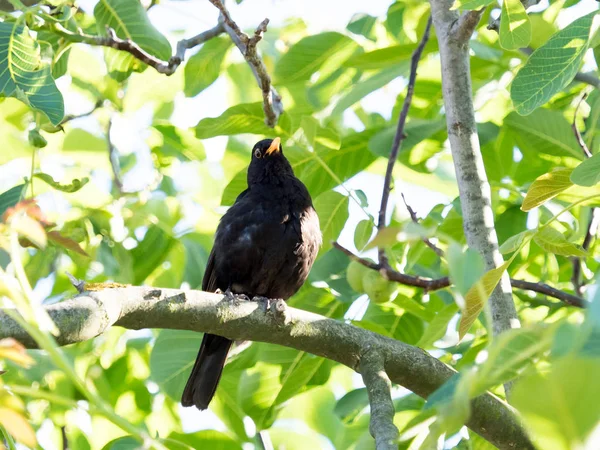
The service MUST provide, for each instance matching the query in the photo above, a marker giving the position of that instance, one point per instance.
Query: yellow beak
(275, 146)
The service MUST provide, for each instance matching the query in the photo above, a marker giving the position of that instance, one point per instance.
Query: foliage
(132, 192)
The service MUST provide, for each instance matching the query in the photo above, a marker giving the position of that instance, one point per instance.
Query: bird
(264, 246)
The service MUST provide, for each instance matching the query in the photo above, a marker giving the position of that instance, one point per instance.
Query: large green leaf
(560, 406)
(553, 241)
(381, 58)
(204, 67)
(129, 20)
(552, 66)
(508, 355)
(150, 252)
(243, 118)
(24, 76)
(321, 52)
(415, 131)
(588, 172)
(544, 131)
(332, 208)
(368, 85)
(172, 359)
(465, 5)
(546, 187)
(515, 27)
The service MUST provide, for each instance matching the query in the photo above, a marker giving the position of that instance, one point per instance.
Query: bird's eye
(257, 153)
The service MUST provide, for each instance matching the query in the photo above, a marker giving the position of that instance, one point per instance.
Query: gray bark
(453, 37)
(92, 313)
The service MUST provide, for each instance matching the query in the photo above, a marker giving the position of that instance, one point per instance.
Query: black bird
(265, 245)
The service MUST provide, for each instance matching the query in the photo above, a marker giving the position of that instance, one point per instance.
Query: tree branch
(272, 105)
(379, 388)
(92, 313)
(127, 45)
(399, 136)
(473, 186)
(434, 284)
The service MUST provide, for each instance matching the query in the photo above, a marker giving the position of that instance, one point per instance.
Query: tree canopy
(451, 153)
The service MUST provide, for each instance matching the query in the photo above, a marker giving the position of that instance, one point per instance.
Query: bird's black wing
(206, 373)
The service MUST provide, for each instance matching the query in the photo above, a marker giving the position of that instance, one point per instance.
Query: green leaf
(362, 24)
(320, 52)
(350, 405)
(438, 326)
(149, 253)
(179, 143)
(552, 66)
(24, 76)
(465, 268)
(588, 172)
(544, 131)
(364, 87)
(172, 359)
(243, 118)
(10, 198)
(553, 241)
(381, 58)
(129, 20)
(560, 406)
(478, 296)
(74, 186)
(547, 187)
(258, 390)
(469, 5)
(515, 27)
(332, 208)
(204, 67)
(362, 233)
(513, 243)
(416, 131)
(508, 355)
(123, 443)
(208, 439)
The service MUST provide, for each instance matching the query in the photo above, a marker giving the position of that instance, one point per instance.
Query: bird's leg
(229, 296)
(263, 301)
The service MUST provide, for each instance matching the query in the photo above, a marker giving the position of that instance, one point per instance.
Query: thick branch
(92, 313)
(474, 189)
(399, 136)
(272, 105)
(379, 388)
(434, 284)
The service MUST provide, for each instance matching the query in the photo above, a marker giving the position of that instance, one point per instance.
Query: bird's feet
(229, 296)
(263, 301)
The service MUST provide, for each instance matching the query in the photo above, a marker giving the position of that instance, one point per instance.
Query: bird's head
(268, 165)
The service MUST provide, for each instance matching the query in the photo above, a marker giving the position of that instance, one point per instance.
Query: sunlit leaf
(73, 186)
(204, 67)
(478, 295)
(553, 241)
(18, 426)
(552, 66)
(515, 27)
(332, 209)
(546, 187)
(24, 76)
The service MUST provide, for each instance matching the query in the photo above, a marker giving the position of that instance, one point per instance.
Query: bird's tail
(205, 376)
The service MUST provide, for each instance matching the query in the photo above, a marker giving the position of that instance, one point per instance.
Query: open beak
(275, 146)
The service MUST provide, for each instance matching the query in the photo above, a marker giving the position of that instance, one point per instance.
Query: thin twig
(416, 56)
(272, 105)
(580, 141)
(434, 284)
(379, 388)
(591, 227)
(127, 45)
(70, 117)
(415, 219)
(114, 159)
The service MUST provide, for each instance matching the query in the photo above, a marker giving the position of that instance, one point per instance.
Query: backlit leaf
(547, 187)
(515, 28)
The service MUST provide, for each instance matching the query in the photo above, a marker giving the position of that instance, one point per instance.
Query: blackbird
(264, 246)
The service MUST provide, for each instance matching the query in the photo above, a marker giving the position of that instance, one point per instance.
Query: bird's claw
(229, 296)
(263, 300)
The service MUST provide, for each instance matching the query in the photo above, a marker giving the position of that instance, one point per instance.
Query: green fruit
(36, 139)
(355, 274)
(378, 288)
